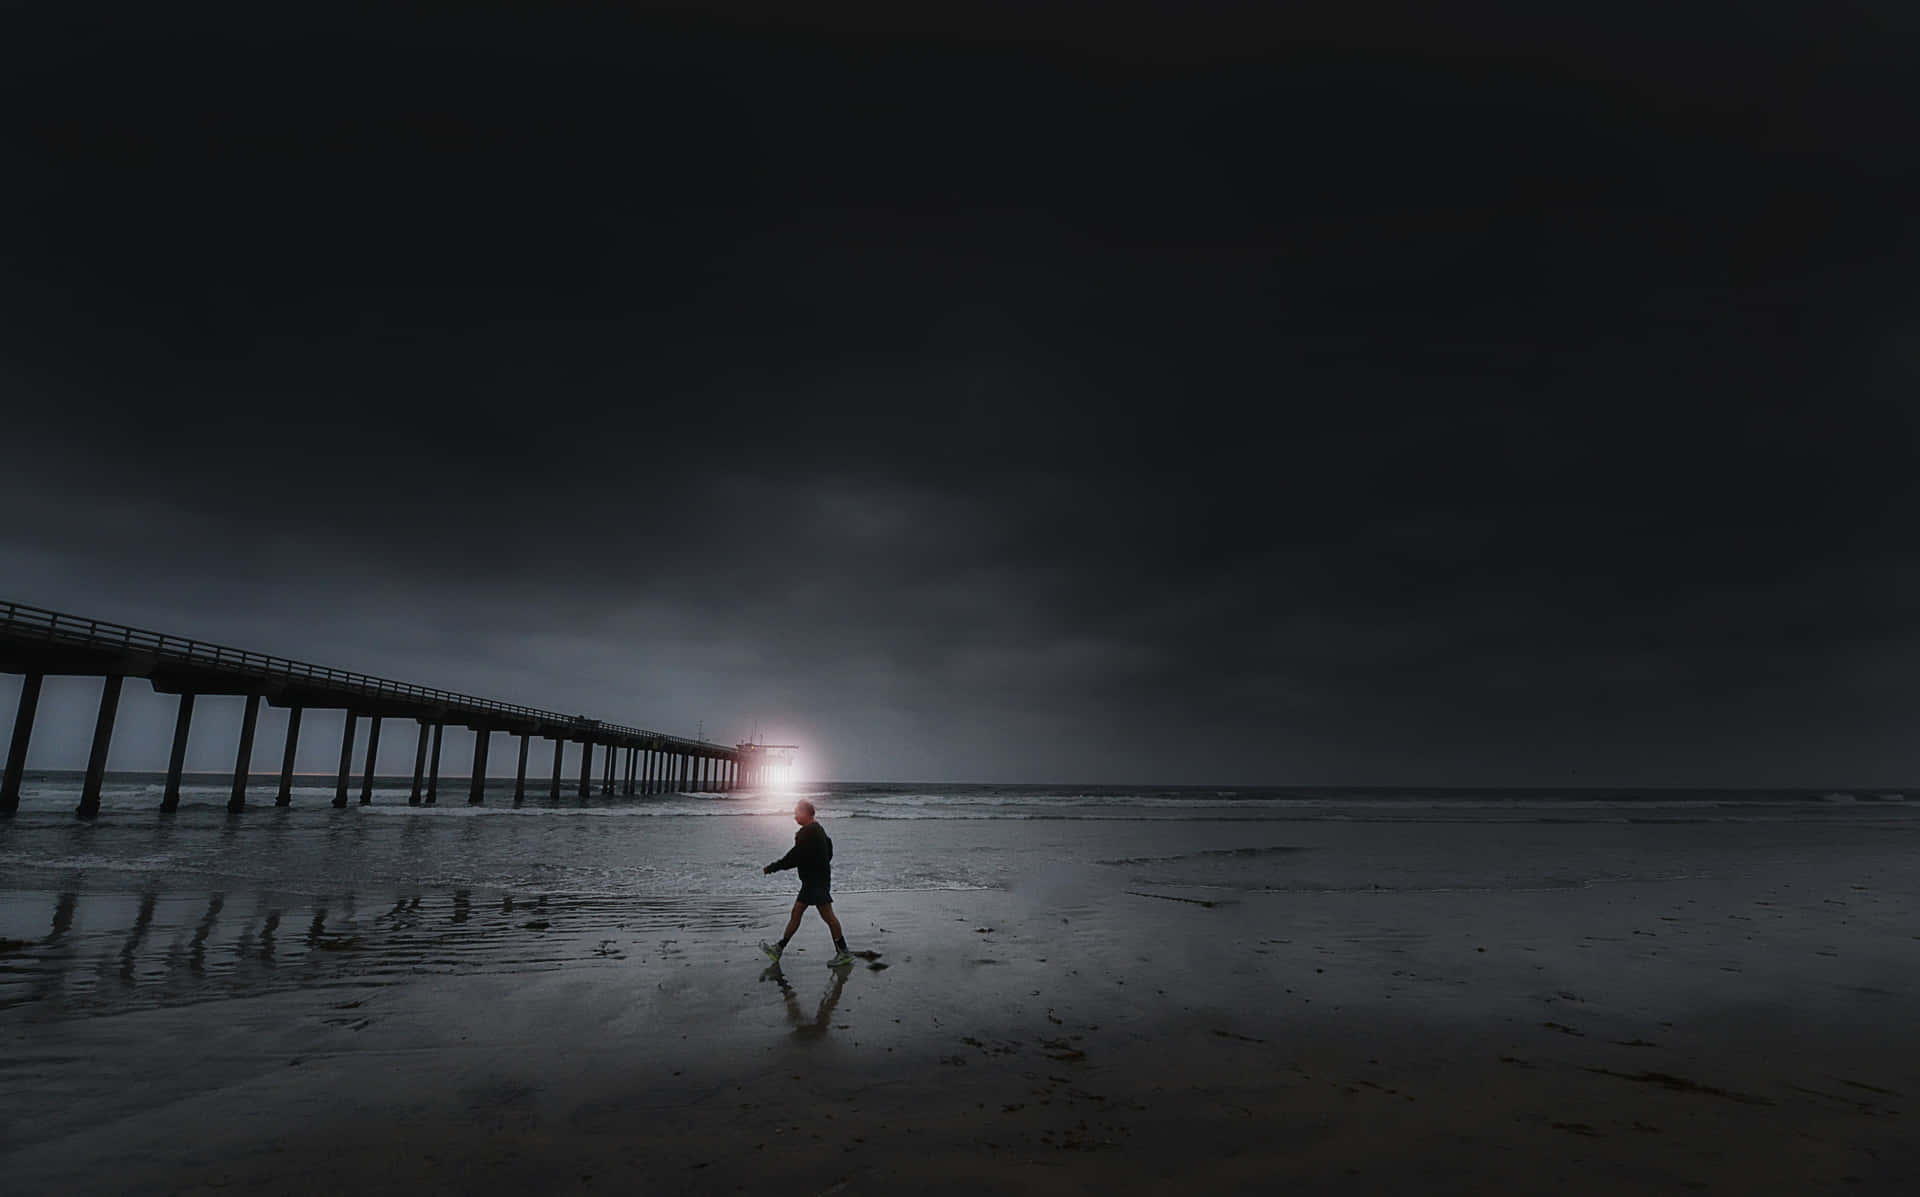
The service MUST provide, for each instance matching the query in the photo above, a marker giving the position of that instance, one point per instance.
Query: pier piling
(285, 797)
(177, 759)
(477, 787)
(586, 768)
(102, 743)
(17, 749)
(243, 762)
(346, 762)
(520, 776)
(419, 763)
(373, 756)
(433, 766)
(559, 759)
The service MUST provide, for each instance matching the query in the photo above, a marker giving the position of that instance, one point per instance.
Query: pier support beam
(346, 762)
(22, 735)
(477, 788)
(606, 771)
(646, 770)
(285, 797)
(433, 765)
(373, 756)
(586, 768)
(102, 742)
(559, 758)
(419, 764)
(243, 762)
(177, 759)
(520, 778)
(632, 754)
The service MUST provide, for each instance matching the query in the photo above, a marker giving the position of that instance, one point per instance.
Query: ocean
(139, 908)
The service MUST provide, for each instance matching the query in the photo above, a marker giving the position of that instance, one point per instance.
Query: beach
(1124, 994)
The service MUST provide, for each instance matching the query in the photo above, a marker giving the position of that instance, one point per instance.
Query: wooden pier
(36, 643)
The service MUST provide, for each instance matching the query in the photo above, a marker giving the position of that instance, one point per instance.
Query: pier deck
(36, 642)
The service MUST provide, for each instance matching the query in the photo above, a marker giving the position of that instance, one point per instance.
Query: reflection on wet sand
(197, 951)
(106, 951)
(822, 1019)
(63, 915)
(267, 932)
(142, 923)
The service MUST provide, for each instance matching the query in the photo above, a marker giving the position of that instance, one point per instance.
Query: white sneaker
(772, 950)
(840, 958)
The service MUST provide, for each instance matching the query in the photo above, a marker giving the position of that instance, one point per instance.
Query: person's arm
(791, 859)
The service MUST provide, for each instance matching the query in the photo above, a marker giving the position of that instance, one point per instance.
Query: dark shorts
(815, 895)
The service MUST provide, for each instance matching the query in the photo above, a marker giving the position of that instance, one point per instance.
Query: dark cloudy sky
(1463, 394)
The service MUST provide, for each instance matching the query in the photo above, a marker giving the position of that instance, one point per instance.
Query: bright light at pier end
(771, 767)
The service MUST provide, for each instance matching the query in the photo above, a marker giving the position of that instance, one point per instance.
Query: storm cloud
(995, 394)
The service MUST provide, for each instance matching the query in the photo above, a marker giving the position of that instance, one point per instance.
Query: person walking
(812, 855)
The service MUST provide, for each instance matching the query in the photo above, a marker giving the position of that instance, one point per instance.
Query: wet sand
(1684, 1036)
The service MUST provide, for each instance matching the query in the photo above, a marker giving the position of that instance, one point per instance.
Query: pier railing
(21, 622)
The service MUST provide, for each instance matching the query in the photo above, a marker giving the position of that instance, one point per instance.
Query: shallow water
(139, 908)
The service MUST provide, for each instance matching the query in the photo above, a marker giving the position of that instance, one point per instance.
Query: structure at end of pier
(759, 763)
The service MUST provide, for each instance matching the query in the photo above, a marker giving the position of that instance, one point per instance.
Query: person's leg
(793, 924)
(833, 925)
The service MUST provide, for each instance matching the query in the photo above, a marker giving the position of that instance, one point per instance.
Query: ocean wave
(1231, 853)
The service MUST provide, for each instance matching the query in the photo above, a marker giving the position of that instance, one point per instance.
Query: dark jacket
(812, 854)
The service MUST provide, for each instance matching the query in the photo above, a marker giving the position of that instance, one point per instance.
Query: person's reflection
(822, 1019)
